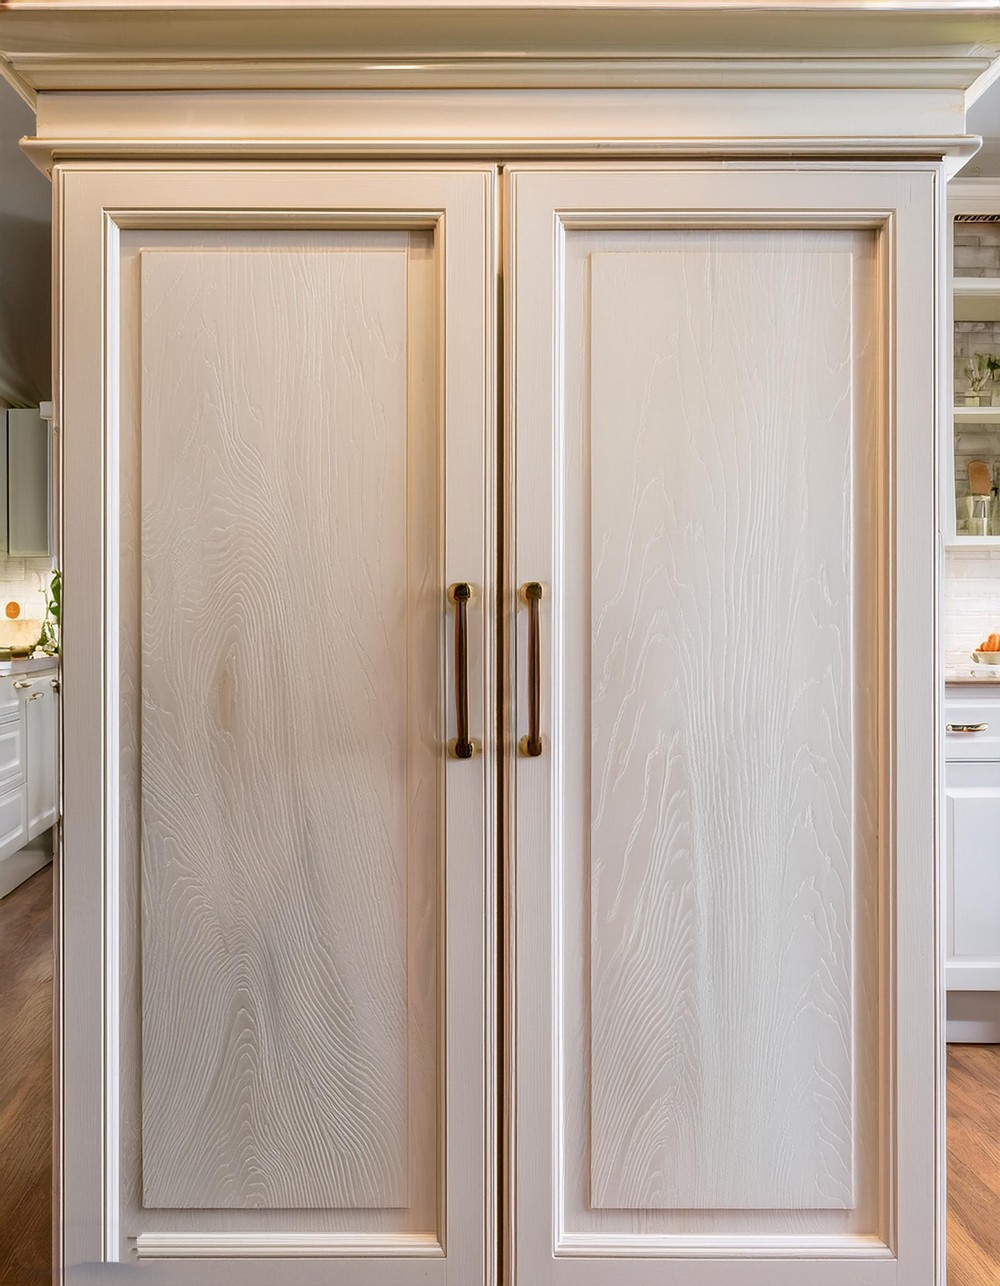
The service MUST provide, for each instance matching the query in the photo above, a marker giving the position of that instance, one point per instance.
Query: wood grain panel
(722, 733)
(276, 803)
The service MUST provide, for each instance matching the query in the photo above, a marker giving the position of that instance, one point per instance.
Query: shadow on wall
(25, 267)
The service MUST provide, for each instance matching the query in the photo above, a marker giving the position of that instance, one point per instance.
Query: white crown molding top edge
(61, 45)
(45, 152)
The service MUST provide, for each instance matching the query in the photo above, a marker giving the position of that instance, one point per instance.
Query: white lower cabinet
(11, 752)
(40, 755)
(12, 822)
(28, 773)
(972, 870)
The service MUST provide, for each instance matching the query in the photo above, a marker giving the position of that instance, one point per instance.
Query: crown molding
(65, 45)
(38, 73)
(46, 152)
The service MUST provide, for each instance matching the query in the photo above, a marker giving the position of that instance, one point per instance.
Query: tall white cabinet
(499, 677)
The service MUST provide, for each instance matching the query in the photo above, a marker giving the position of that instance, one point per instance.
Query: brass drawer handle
(531, 745)
(462, 747)
(36, 696)
(20, 684)
(967, 727)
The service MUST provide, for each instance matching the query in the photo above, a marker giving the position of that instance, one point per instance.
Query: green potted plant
(49, 641)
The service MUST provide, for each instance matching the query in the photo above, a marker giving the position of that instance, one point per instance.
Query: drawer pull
(22, 683)
(36, 696)
(967, 727)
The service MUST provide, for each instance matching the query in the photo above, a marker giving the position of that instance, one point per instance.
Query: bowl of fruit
(988, 652)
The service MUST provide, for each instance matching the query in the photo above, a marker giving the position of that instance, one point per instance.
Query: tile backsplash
(971, 602)
(25, 581)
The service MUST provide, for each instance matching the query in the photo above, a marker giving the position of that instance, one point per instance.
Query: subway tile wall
(25, 581)
(971, 603)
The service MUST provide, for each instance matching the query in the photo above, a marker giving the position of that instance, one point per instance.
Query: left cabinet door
(277, 887)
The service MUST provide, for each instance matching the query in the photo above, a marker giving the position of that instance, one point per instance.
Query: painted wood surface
(972, 856)
(721, 726)
(274, 776)
(877, 1227)
(41, 767)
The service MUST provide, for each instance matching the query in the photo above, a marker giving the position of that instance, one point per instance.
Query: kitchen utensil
(979, 478)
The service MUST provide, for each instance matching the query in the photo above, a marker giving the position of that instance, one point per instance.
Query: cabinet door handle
(20, 684)
(531, 745)
(36, 696)
(462, 747)
(967, 727)
(55, 684)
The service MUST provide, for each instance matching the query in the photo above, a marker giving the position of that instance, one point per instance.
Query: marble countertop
(989, 674)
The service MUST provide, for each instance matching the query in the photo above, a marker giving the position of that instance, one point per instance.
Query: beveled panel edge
(298, 1245)
(790, 1246)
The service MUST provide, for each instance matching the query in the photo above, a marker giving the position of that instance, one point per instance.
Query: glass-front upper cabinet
(972, 507)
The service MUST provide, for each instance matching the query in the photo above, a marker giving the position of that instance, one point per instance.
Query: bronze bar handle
(531, 745)
(461, 748)
(967, 727)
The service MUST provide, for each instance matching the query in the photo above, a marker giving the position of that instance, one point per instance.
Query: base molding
(973, 1018)
(290, 1245)
(20, 866)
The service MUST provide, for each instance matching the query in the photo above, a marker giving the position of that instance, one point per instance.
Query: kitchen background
(972, 576)
(25, 316)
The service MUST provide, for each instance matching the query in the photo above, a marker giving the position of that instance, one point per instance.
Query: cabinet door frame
(94, 205)
(903, 206)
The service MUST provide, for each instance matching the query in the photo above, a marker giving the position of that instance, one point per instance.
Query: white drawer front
(11, 754)
(972, 713)
(10, 697)
(13, 822)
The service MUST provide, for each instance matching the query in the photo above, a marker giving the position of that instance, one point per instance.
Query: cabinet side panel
(974, 811)
(723, 825)
(274, 773)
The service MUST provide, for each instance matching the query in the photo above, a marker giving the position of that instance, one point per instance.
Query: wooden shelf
(977, 299)
(977, 414)
(972, 542)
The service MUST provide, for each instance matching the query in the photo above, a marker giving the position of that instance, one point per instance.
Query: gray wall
(25, 269)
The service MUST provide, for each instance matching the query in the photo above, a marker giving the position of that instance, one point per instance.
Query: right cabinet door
(722, 445)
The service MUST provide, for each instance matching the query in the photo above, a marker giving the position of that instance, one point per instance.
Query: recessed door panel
(721, 723)
(278, 554)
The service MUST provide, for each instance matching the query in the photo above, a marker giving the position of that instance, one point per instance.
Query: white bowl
(986, 658)
(20, 633)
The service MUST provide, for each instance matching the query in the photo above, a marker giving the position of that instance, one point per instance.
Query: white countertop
(29, 665)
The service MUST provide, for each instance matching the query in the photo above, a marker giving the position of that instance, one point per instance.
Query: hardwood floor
(26, 1082)
(974, 1165)
(26, 1113)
